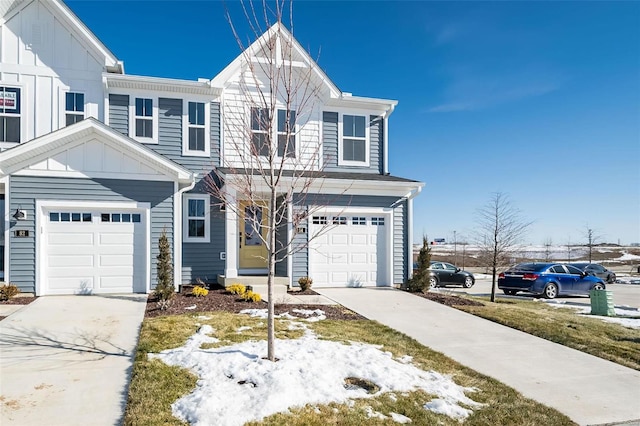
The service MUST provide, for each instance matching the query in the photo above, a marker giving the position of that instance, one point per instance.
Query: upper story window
(196, 226)
(259, 133)
(74, 108)
(354, 145)
(284, 132)
(9, 114)
(144, 118)
(196, 139)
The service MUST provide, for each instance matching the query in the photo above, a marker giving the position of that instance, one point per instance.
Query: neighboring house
(97, 164)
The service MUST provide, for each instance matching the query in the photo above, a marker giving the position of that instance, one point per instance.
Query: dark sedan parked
(442, 273)
(597, 270)
(548, 279)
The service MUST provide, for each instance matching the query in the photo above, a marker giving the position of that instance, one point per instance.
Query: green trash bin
(602, 303)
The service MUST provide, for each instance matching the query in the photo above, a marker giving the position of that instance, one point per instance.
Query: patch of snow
(405, 359)
(203, 317)
(619, 311)
(442, 406)
(243, 328)
(310, 315)
(373, 414)
(237, 385)
(628, 256)
(190, 308)
(399, 418)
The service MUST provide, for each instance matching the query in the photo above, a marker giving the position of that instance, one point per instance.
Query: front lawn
(562, 325)
(318, 347)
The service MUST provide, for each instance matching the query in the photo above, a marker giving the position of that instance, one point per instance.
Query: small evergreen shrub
(236, 289)
(420, 280)
(250, 296)
(305, 283)
(164, 289)
(8, 291)
(199, 291)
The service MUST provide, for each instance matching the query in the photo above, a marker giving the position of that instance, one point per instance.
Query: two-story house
(96, 164)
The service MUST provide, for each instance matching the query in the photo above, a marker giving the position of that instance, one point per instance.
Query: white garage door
(351, 250)
(89, 252)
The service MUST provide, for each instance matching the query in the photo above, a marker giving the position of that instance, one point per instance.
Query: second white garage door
(351, 250)
(89, 252)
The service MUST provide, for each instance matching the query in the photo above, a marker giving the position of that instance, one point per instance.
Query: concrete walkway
(589, 390)
(66, 360)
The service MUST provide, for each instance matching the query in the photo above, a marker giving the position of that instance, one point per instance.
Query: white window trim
(185, 218)
(63, 105)
(367, 141)
(185, 130)
(132, 118)
(294, 132)
(21, 114)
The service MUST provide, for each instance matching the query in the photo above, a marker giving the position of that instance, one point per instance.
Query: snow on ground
(237, 385)
(627, 256)
(620, 319)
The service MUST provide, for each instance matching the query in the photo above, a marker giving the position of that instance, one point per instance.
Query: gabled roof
(11, 7)
(23, 155)
(278, 28)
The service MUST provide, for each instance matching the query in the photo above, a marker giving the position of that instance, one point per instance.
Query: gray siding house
(96, 164)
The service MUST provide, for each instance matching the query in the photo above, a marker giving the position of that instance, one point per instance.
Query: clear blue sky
(538, 100)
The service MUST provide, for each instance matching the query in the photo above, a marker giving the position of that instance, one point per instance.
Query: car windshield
(530, 267)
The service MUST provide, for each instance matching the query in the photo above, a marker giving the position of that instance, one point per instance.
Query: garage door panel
(77, 285)
(113, 282)
(116, 260)
(69, 260)
(339, 239)
(359, 240)
(119, 238)
(66, 238)
(358, 258)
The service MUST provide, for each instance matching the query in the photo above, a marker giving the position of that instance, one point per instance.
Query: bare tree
(276, 169)
(547, 249)
(592, 238)
(500, 228)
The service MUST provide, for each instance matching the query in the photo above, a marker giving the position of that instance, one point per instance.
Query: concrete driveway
(66, 360)
(590, 390)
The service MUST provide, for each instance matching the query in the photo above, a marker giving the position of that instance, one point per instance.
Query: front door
(253, 233)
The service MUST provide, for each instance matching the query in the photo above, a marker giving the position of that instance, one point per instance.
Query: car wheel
(610, 279)
(551, 291)
(510, 292)
(433, 282)
(598, 286)
(468, 282)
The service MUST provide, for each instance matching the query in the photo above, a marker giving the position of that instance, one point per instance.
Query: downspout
(177, 227)
(409, 197)
(385, 146)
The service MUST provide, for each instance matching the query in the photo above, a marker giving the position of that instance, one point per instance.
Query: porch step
(259, 285)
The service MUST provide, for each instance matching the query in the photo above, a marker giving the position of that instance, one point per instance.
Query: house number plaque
(22, 233)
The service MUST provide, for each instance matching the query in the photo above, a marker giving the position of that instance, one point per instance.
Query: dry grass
(155, 386)
(562, 325)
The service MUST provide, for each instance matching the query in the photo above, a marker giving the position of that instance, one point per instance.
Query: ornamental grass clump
(8, 291)
(250, 296)
(236, 289)
(199, 291)
(305, 283)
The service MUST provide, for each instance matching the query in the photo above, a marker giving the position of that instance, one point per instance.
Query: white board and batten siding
(351, 247)
(44, 58)
(89, 248)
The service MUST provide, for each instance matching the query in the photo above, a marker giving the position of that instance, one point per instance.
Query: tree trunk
(271, 329)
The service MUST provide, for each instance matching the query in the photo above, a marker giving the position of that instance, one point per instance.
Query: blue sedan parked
(548, 279)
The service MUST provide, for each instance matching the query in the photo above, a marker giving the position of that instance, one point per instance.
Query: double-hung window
(263, 134)
(196, 127)
(286, 133)
(196, 226)
(354, 140)
(9, 114)
(196, 139)
(143, 116)
(73, 107)
(259, 132)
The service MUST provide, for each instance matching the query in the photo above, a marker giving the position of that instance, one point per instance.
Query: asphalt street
(624, 295)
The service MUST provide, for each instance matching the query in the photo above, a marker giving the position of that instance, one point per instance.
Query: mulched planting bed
(448, 300)
(219, 300)
(20, 300)
(308, 292)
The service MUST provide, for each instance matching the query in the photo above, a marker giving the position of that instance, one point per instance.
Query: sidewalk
(590, 390)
